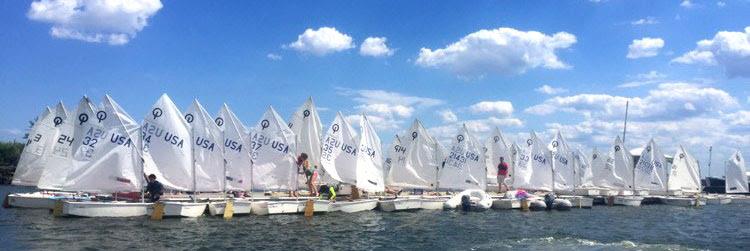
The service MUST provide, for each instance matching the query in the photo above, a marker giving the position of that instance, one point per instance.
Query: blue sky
(437, 64)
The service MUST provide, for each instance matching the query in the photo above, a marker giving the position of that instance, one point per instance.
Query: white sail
(621, 165)
(306, 125)
(236, 153)
(396, 157)
(273, 147)
(89, 133)
(208, 150)
(111, 160)
(562, 164)
(514, 149)
(59, 160)
(167, 151)
(533, 166)
(685, 174)
(651, 170)
(369, 159)
(584, 171)
(464, 166)
(601, 170)
(32, 160)
(422, 160)
(496, 148)
(736, 176)
(339, 153)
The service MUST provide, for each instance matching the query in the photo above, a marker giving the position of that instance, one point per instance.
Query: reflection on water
(653, 227)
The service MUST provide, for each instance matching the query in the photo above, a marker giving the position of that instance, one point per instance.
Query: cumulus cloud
(687, 4)
(387, 110)
(499, 107)
(667, 101)
(447, 116)
(115, 22)
(375, 47)
(645, 21)
(480, 128)
(321, 42)
(645, 47)
(729, 49)
(549, 90)
(504, 50)
(274, 57)
(721, 4)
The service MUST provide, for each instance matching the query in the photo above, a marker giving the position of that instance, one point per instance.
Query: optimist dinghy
(470, 200)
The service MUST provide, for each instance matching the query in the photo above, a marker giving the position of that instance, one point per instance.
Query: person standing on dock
(154, 189)
(502, 173)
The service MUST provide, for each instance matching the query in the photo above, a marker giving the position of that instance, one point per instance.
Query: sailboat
(397, 159)
(533, 166)
(563, 178)
(108, 160)
(44, 161)
(339, 158)
(684, 181)
(620, 180)
(651, 172)
(585, 172)
(736, 176)
(465, 170)
(237, 162)
(496, 148)
(273, 147)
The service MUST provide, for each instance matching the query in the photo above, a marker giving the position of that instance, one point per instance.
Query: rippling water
(652, 227)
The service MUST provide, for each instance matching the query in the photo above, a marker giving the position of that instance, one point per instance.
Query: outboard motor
(466, 202)
(549, 199)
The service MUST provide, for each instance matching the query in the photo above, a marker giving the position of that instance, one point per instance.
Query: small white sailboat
(237, 159)
(59, 160)
(684, 181)
(533, 167)
(34, 160)
(496, 148)
(651, 171)
(585, 173)
(306, 126)
(622, 177)
(736, 174)
(340, 160)
(397, 159)
(563, 171)
(113, 166)
(465, 169)
(273, 147)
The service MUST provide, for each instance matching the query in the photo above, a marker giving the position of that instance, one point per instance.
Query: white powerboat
(469, 200)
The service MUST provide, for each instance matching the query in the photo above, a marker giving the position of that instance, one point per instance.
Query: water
(652, 227)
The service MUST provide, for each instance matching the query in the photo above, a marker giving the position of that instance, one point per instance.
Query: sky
(521, 66)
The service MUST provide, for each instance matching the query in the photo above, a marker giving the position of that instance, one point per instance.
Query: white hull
(38, 200)
(288, 207)
(400, 204)
(718, 200)
(587, 192)
(632, 201)
(354, 206)
(682, 201)
(739, 199)
(506, 204)
(579, 201)
(240, 207)
(105, 209)
(432, 203)
(182, 209)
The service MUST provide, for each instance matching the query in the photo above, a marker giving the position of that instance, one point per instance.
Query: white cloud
(323, 41)
(687, 4)
(652, 77)
(478, 127)
(447, 116)
(645, 47)
(729, 49)
(503, 50)
(721, 4)
(115, 22)
(387, 110)
(375, 47)
(645, 21)
(274, 57)
(499, 107)
(667, 101)
(549, 90)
